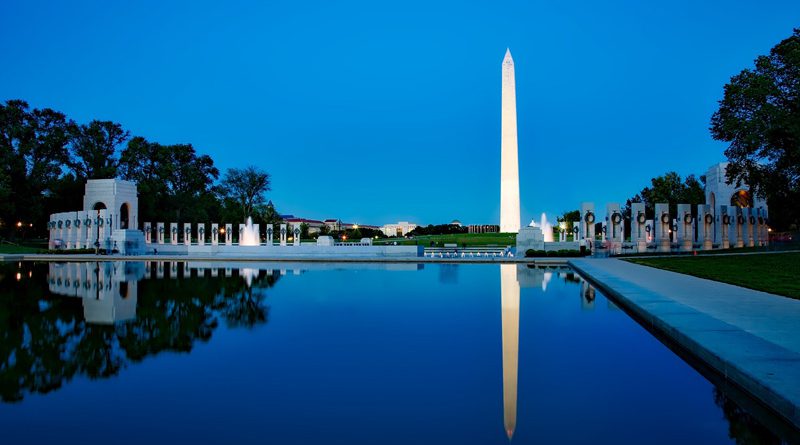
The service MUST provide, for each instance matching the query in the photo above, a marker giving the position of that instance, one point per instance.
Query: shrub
(555, 253)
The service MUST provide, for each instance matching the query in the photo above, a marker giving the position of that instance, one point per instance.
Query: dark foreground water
(359, 354)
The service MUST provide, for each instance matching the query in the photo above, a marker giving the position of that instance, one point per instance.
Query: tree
(759, 116)
(94, 149)
(149, 165)
(33, 147)
(246, 187)
(569, 218)
(669, 188)
(189, 182)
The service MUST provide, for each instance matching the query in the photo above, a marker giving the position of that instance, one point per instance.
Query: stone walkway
(749, 337)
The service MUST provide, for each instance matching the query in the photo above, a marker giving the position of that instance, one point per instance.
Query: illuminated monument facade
(509, 165)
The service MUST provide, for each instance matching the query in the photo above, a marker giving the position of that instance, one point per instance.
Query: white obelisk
(509, 165)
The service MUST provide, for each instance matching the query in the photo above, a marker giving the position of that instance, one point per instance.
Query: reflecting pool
(300, 353)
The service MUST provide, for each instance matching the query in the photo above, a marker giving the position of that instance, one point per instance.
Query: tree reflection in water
(45, 339)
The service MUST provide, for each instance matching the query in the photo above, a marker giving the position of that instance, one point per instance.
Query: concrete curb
(766, 371)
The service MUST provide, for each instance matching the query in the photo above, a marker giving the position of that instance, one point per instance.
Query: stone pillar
(615, 224)
(187, 234)
(160, 232)
(576, 231)
(214, 234)
(283, 234)
(241, 234)
(724, 227)
(296, 235)
(685, 227)
(604, 231)
(201, 234)
(80, 231)
(107, 229)
(173, 229)
(738, 228)
(270, 229)
(762, 224)
(705, 226)
(638, 221)
(662, 222)
(257, 229)
(649, 231)
(228, 234)
(148, 233)
(587, 221)
(749, 222)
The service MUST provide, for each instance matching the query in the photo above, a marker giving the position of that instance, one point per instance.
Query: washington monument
(509, 165)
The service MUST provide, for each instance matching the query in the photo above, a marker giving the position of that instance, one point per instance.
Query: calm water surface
(357, 354)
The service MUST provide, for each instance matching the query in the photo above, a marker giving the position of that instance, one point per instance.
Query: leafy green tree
(189, 182)
(759, 116)
(246, 187)
(33, 148)
(94, 149)
(569, 217)
(149, 164)
(672, 189)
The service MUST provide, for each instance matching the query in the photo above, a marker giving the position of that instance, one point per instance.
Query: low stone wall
(303, 250)
(561, 245)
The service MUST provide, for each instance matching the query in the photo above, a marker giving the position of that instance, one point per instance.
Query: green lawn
(15, 249)
(470, 239)
(776, 273)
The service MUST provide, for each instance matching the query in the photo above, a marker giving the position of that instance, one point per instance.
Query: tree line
(46, 158)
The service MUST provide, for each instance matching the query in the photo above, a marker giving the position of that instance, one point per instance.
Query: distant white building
(400, 229)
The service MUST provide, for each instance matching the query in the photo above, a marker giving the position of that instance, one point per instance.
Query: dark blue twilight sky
(375, 111)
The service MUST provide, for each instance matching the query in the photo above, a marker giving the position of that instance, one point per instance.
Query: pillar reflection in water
(509, 302)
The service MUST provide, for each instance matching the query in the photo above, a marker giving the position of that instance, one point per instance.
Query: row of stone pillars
(729, 226)
(217, 235)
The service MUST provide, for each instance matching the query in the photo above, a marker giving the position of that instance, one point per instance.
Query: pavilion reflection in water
(107, 289)
(513, 277)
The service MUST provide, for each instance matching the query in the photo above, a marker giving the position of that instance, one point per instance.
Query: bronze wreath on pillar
(665, 218)
(709, 218)
(740, 219)
(616, 218)
(726, 219)
(589, 218)
(687, 218)
(641, 218)
(752, 219)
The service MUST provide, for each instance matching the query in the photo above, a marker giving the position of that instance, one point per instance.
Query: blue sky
(374, 112)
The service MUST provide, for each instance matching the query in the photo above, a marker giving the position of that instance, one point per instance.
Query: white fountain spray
(547, 228)
(249, 236)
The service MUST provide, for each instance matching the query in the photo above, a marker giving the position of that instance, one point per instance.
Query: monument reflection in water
(418, 353)
(108, 289)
